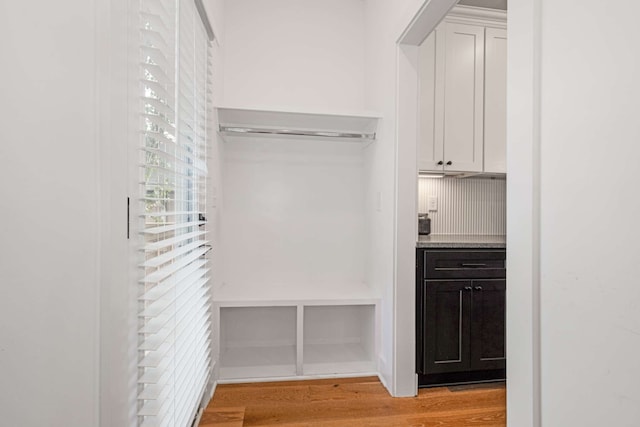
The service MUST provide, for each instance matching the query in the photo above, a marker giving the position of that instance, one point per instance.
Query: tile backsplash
(465, 206)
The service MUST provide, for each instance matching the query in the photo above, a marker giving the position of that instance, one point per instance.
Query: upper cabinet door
(429, 149)
(463, 97)
(495, 104)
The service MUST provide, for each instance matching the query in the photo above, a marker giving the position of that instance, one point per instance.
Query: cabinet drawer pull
(449, 163)
(478, 288)
(440, 163)
(473, 265)
(467, 288)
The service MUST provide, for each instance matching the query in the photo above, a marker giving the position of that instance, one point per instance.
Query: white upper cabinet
(463, 96)
(495, 101)
(462, 124)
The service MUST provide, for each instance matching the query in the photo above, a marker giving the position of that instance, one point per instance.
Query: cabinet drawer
(467, 264)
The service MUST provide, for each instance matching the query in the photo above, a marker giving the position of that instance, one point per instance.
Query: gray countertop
(461, 241)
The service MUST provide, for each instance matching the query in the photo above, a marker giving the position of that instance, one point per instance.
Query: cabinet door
(488, 325)
(446, 326)
(495, 104)
(464, 96)
(429, 150)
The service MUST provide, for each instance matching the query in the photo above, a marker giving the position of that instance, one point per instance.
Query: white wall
(306, 54)
(294, 208)
(385, 22)
(590, 321)
(117, 81)
(279, 53)
(572, 110)
(49, 271)
(523, 278)
(293, 216)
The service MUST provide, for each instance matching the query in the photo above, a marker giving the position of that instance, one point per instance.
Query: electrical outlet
(432, 203)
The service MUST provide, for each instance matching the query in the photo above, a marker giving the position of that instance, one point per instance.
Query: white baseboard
(382, 369)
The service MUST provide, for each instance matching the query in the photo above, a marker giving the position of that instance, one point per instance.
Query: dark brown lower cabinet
(460, 320)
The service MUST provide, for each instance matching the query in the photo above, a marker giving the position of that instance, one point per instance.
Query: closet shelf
(243, 122)
(259, 294)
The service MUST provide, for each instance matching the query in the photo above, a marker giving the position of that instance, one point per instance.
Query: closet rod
(324, 134)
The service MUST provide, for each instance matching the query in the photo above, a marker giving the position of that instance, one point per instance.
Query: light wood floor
(353, 402)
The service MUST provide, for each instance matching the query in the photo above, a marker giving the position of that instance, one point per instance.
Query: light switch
(432, 203)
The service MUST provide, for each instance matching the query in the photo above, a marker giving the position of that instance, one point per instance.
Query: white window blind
(174, 359)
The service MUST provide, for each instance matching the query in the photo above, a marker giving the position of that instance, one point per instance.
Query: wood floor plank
(296, 383)
(223, 417)
(363, 402)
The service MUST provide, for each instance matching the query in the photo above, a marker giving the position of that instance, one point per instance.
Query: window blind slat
(154, 21)
(157, 136)
(159, 291)
(171, 147)
(163, 273)
(155, 56)
(154, 246)
(156, 103)
(154, 39)
(153, 391)
(168, 256)
(154, 375)
(157, 307)
(153, 341)
(165, 213)
(158, 121)
(158, 89)
(186, 160)
(155, 324)
(155, 358)
(155, 422)
(173, 227)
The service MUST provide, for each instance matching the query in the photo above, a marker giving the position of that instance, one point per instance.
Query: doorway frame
(523, 204)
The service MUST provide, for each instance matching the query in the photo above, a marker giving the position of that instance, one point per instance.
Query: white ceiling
(492, 4)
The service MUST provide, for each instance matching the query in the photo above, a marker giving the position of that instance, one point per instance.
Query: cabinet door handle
(449, 163)
(478, 288)
(440, 163)
(467, 288)
(467, 264)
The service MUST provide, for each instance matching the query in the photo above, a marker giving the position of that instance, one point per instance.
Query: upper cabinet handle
(440, 163)
(449, 163)
(478, 288)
